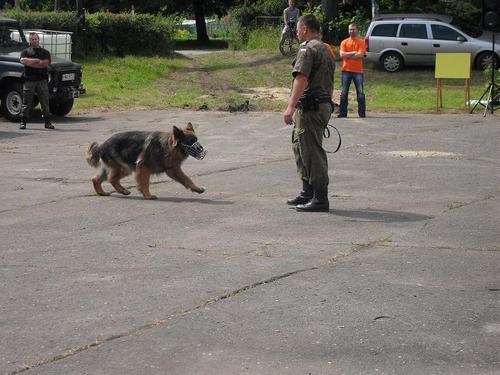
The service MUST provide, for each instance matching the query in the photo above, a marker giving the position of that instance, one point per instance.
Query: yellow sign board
(453, 65)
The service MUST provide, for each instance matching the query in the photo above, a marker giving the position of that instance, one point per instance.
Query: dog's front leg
(178, 175)
(142, 176)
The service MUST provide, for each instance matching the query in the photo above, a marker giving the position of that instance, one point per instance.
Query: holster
(311, 103)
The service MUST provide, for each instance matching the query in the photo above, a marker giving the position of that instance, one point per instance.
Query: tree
(330, 13)
(201, 25)
(200, 9)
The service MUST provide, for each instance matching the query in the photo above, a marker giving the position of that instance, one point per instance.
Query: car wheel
(12, 102)
(392, 62)
(484, 60)
(61, 108)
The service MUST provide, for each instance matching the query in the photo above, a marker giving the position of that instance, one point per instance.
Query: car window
(444, 33)
(413, 30)
(389, 29)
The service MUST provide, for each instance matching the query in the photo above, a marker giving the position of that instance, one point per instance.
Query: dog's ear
(189, 127)
(178, 135)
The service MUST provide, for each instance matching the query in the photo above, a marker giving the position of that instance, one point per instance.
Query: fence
(58, 43)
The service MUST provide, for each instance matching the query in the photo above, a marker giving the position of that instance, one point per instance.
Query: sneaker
(362, 115)
(340, 115)
(22, 125)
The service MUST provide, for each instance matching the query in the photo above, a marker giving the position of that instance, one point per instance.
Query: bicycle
(290, 43)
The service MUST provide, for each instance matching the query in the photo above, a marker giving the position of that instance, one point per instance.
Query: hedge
(106, 33)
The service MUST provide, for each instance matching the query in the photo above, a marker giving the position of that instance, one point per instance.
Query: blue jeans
(347, 77)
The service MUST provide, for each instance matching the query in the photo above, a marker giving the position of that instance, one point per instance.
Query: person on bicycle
(290, 16)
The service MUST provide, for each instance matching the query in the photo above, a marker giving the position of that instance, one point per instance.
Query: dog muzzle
(196, 150)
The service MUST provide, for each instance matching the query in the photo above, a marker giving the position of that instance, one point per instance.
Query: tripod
(493, 90)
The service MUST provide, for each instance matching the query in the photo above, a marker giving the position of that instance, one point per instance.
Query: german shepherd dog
(146, 153)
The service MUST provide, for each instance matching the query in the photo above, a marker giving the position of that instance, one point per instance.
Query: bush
(242, 20)
(106, 33)
(266, 37)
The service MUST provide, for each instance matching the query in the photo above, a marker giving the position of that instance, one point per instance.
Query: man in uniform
(311, 103)
(35, 60)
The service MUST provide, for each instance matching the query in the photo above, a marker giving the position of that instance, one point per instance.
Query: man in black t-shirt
(35, 60)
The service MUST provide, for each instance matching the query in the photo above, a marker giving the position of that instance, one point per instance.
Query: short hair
(311, 22)
(33, 34)
(353, 24)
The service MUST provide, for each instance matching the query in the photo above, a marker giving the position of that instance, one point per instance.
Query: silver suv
(396, 40)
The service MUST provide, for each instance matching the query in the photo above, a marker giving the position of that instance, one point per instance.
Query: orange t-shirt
(352, 45)
(330, 49)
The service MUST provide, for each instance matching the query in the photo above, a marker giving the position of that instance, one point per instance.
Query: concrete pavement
(401, 276)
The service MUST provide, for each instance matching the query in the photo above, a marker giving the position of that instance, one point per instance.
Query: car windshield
(11, 37)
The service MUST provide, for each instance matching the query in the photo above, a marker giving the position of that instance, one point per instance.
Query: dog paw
(151, 197)
(198, 190)
(125, 192)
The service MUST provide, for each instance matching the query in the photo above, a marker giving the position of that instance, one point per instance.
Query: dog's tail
(93, 155)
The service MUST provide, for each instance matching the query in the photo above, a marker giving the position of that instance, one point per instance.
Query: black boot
(319, 203)
(22, 125)
(48, 124)
(304, 196)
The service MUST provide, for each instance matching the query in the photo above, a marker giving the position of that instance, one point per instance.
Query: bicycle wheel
(289, 47)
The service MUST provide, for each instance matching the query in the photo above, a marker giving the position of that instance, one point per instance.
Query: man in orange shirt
(352, 52)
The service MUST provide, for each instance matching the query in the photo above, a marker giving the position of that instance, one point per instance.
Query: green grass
(414, 89)
(116, 83)
(264, 38)
(229, 77)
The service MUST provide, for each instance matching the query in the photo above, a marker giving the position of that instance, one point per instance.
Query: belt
(324, 100)
(35, 79)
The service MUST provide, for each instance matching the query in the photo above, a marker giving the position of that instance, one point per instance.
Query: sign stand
(452, 66)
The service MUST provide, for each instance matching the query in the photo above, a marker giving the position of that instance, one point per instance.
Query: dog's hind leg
(115, 175)
(178, 175)
(98, 180)
(142, 176)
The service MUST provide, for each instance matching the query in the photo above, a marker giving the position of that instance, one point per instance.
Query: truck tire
(12, 101)
(61, 108)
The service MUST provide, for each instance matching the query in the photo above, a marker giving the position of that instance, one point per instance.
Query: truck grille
(66, 78)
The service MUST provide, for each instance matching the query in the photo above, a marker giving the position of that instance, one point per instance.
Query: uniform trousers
(307, 145)
(41, 89)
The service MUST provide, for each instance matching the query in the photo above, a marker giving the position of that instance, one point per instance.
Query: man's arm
(299, 85)
(352, 55)
(35, 63)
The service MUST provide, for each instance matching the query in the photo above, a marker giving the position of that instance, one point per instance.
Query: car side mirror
(460, 38)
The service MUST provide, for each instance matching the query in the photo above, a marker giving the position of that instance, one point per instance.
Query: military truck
(64, 76)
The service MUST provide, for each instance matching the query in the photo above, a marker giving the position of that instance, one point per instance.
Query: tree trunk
(17, 4)
(57, 5)
(201, 26)
(330, 11)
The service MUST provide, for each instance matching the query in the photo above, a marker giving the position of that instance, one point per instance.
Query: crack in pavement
(179, 314)
(456, 205)
(155, 323)
(439, 248)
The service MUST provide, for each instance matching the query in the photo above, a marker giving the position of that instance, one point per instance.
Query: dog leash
(326, 134)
